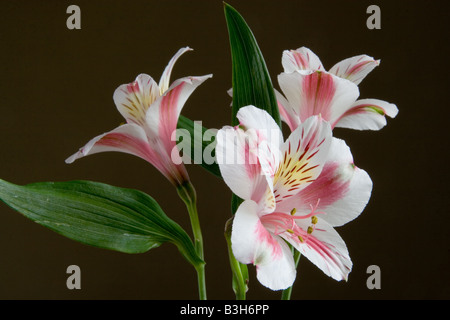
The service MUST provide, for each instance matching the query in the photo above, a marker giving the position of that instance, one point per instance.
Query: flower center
(285, 225)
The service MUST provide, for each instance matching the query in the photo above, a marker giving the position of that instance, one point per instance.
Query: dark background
(56, 94)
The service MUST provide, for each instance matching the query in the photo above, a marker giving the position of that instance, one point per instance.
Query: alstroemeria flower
(294, 192)
(151, 111)
(311, 90)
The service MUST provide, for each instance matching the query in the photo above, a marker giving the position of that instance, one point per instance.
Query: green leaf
(250, 78)
(100, 215)
(201, 145)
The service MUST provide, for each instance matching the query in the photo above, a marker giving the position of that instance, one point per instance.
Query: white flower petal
(128, 138)
(237, 157)
(288, 114)
(318, 93)
(278, 274)
(325, 248)
(253, 118)
(252, 243)
(162, 116)
(164, 82)
(341, 191)
(355, 68)
(301, 59)
(133, 99)
(303, 155)
(352, 203)
(366, 114)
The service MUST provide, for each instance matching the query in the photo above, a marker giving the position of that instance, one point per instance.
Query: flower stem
(240, 274)
(187, 193)
(286, 295)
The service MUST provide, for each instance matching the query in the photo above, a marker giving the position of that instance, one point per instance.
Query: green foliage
(251, 80)
(99, 215)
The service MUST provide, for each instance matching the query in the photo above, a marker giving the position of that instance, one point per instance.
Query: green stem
(187, 193)
(240, 276)
(286, 295)
(201, 281)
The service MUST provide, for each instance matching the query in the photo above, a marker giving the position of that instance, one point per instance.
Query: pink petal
(162, 117)
(318, 93)
(128, 138)
(341, 191)
(324, 248)
(132, 139)
(252, 243)
(366, 114)
(356, 68)
(301, 59)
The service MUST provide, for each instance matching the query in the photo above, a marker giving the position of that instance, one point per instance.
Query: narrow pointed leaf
(250, 79)
(100, 215)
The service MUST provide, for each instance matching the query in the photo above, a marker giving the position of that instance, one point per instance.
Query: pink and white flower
(151, 111)
(294, 192)
(311, 90)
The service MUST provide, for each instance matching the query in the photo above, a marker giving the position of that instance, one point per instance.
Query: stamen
(309, 215)
(283, 223)
(314, 208)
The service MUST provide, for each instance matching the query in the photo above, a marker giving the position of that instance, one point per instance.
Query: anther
(301, 239)
(293, 211)
(314, 220)
(310, 230)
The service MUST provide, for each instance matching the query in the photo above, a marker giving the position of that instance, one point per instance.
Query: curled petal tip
(185, 49)
(193, 79)
(71, 159)
(392, 110)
